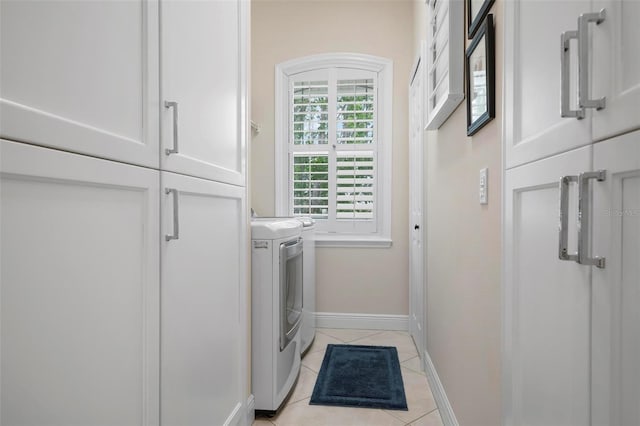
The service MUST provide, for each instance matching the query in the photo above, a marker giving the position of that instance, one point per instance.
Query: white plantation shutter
(310, 112)
(355, 185)
(355, 111)
(444, 59)
(311, 185)
(333, 147)
(438, 53)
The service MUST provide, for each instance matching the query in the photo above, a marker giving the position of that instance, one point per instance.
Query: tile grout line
(424, 415)
(369, 336)
(374, 333)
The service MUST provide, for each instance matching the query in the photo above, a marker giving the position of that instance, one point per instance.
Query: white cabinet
(203, 312)
(616, 68)
(616, 288)
(203, 71)
(534, 128)
(82, 77)
(607, 66)
(547, 301)
(82, 241)
(79, 289)
(572, 334)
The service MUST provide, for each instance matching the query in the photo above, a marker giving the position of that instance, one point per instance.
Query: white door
(203, 44)
(80, 290)
(202, 313)
(616, 68)
(616, 288)
(416, 190)
(534, 128)
(547, 301)
(82, 77)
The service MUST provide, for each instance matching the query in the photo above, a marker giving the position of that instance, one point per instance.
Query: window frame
(383, 68)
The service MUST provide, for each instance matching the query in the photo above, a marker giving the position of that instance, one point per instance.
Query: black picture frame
(481, 91)
(475, 21)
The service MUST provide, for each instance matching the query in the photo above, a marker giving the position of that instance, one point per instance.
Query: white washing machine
(277, 298)
(308, 327)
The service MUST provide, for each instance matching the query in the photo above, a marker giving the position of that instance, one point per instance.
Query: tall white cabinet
(79, 289)
(571, 213)
(123, 266)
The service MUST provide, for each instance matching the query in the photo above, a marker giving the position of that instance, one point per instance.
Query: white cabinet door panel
(79, 290)
(616, 288)
(616, 68)
(534, 128)
(203, 44)
(203, 277)
(82, 76)
(547, 301)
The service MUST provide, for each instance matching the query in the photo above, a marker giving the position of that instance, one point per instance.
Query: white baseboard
(362, 321)
(446, 411)
(251, 410)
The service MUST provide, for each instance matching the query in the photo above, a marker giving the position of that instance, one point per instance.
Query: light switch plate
(484, 186)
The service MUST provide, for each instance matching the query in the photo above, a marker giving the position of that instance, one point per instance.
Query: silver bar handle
(563, 228)
(176, 220)
(565, 77)
(584, 101)
(584, 207)
(174, 105)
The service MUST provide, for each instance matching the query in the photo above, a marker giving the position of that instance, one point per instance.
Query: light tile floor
(298, 412)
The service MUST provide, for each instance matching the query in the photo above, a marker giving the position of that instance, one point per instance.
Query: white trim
(440, 396)
(235, 418)
(506, 127)
(384, 68)
(362, 321)
(250, 411)
(345, 240)
(244, 27)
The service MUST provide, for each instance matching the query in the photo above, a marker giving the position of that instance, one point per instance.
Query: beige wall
(464, 254)
(373, 280)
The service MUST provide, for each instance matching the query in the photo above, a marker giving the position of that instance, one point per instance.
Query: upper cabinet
(571, 82)
(533, 126)
(616, 68)
(85, 77)
(82, 77)
(203, 88)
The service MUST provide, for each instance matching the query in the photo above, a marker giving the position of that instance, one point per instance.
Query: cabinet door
(82, 76)
(616, 288)
(616, 63)
(547, 301)
(203, 72)
(79, 290)
(534, 128)
(203, 298)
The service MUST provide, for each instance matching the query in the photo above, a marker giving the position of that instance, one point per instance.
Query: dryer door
(290, 290)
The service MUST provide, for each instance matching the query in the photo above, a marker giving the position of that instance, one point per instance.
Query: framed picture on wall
(476, 11)
(480, 74)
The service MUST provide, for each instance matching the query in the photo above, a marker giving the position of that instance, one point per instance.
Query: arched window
(333, 145)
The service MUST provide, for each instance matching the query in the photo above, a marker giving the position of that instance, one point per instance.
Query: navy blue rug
(360, 376)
